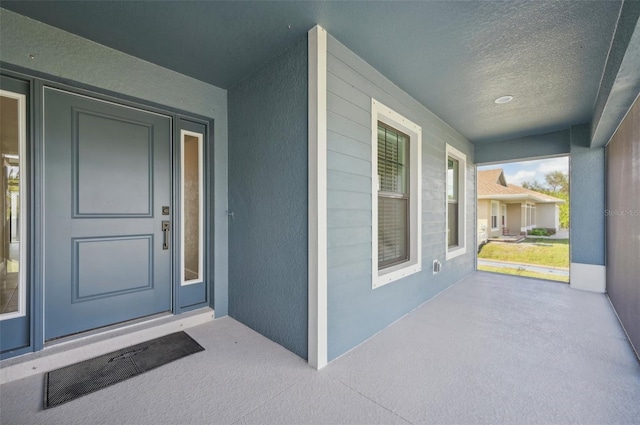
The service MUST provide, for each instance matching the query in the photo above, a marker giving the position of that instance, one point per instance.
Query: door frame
(35, 160)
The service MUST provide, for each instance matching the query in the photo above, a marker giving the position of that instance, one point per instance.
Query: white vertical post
(317, 343)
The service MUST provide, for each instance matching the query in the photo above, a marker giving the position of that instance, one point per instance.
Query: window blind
(393, 196)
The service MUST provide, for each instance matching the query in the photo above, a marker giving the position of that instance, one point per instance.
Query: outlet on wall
(437, 266)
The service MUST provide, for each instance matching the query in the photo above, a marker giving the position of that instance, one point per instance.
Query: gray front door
(107, 177)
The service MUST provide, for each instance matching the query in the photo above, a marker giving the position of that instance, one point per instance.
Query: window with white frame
(494, 215)
(396, 210)
(456, 194)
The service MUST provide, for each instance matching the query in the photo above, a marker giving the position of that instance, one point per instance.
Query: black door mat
(70, 382)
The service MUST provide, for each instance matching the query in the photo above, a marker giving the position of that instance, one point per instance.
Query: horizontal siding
(349, 200)
(349, 128)
(342, 218)
(342, 255)
(346, 273)
(341, 237)
(344, 108)
(348, 164)
(346, 146)
(355, 310)
(339, 87)
(343, 181)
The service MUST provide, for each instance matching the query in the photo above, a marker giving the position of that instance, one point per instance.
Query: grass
(524, 273)
(544, 252)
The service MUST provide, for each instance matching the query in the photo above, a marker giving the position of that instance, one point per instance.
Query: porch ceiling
(453, 57)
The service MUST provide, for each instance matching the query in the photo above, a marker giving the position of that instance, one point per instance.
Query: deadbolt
(165, 210)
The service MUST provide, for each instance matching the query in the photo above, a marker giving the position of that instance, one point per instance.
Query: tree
(557, 181)
(564, 210)
(534, 185)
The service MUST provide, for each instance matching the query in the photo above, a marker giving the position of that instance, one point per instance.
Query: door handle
(165, 234)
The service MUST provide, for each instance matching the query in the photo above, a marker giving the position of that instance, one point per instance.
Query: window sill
(456, 252)
(395, 273)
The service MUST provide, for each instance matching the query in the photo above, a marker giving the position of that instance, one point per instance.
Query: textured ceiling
(453, 57)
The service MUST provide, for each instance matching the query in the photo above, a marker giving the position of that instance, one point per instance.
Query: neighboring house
(507, 209)
(235, 158)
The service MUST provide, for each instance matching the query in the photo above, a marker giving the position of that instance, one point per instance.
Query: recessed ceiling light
(503, 99)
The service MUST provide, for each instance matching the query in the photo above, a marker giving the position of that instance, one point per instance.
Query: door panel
(107, 176)
(99, 145)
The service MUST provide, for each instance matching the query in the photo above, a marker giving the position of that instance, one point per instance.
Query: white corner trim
(380, 112)
(317, 338)
(588, 277)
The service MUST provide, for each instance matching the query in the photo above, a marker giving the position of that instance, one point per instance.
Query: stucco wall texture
(587, 193)
(268, 192)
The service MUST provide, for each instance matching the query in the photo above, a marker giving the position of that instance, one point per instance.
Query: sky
(518, 172)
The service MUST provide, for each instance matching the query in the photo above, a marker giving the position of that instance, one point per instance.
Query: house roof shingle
(490, 183)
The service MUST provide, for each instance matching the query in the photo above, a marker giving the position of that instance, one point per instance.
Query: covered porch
(490, 349)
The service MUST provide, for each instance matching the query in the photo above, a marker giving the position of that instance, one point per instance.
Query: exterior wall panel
(546, 216)
(355, 310)
(514, 218)
(587, 205)
(268, 171)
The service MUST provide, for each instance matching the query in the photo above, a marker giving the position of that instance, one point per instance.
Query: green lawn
(524, 273)
(545, 252)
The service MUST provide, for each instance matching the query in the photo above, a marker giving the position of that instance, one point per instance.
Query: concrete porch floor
(491, 349)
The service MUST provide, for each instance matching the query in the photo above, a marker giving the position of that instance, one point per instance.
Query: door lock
(165, 233)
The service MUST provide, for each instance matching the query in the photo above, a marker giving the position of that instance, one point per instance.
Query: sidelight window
(191, 204)
(13, 205)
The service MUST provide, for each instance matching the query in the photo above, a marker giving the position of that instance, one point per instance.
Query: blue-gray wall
(64, 55)
(355, 310)
(587, 195)
(537, 146)
(268, 192)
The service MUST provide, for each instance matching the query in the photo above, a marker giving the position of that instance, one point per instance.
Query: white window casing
(384, 114)
(461, 248)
